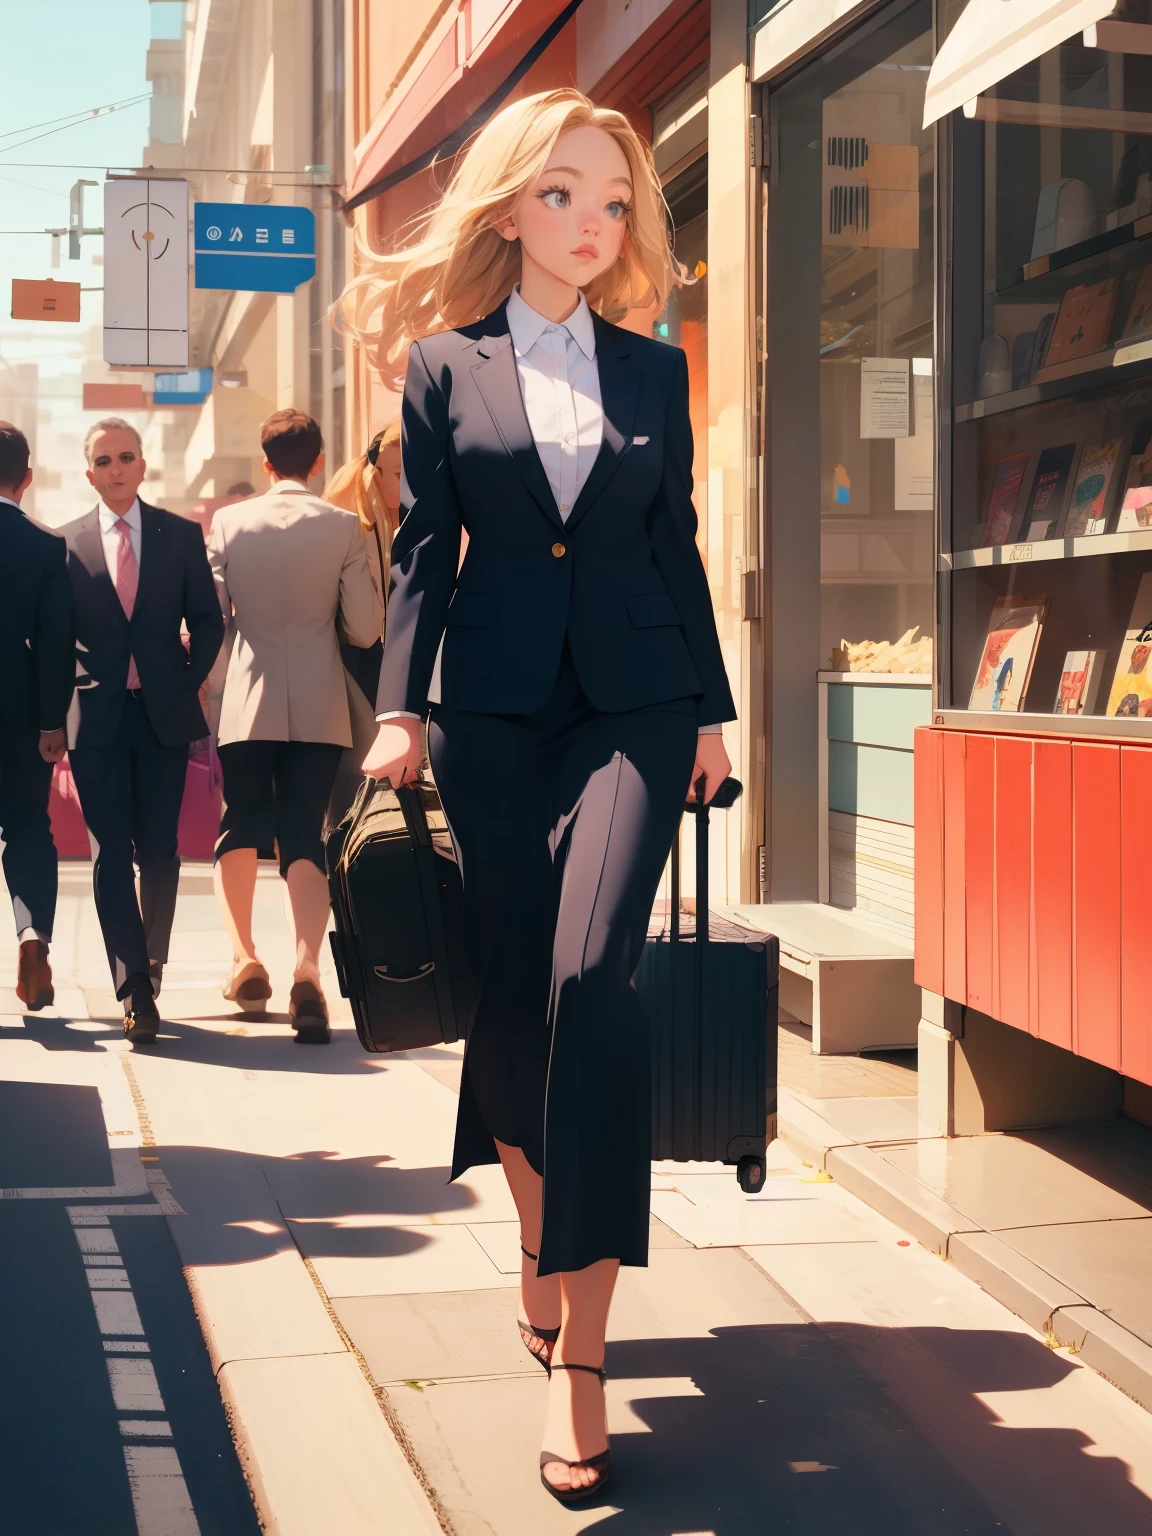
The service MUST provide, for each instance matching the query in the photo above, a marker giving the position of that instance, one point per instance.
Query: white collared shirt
(560, 387)
(8, 500)
(110, 539)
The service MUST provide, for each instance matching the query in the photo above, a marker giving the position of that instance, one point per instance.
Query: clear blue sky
(63, 56)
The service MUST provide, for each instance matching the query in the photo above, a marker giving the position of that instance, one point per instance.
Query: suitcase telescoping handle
(725, 797)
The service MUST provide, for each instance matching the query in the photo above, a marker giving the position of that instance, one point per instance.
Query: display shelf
(1070, 255)
(884, 679)
(1095, 727)
(1115, 365)
(1049, 549)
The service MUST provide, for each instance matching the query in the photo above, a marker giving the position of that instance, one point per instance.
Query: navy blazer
(622, 578)
(175, 588)
(37, 670)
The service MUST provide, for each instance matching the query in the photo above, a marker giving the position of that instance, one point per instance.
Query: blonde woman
(370, 487)
(580, 688)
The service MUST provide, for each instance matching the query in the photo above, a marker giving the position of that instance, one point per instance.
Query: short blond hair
(458, 267)
(111, 424)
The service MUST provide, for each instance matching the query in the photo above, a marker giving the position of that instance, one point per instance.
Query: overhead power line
(77, 120)
(67, 117)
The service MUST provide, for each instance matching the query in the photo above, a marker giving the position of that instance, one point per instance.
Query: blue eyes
(559, 198)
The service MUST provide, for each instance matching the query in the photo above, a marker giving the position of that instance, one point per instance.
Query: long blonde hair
(356, 486)
(457, 267)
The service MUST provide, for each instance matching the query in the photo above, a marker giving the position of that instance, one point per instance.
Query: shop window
(684, 322)
(851, 347)
(1047, 552)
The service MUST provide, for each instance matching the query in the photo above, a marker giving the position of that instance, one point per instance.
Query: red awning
(451, 85)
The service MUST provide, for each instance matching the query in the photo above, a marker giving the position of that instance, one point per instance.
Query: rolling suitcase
(397, 900)
(711, 991)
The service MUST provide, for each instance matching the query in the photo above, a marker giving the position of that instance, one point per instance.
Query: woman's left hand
(712, 764)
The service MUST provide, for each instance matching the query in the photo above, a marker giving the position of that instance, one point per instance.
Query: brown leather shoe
(34, 978)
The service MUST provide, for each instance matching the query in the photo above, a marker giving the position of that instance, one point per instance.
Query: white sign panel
(885, 401)
(146, 273)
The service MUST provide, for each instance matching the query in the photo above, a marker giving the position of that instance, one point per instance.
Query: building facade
(249, 107)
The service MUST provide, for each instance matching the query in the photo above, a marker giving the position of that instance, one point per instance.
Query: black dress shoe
(142, 1022)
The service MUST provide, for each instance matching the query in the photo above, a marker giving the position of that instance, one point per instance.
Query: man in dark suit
(37, 671)
(138, 574)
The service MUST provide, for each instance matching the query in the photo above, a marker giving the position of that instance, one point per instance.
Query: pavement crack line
(391, 1417)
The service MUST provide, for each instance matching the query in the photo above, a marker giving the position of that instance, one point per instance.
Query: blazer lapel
(88, 548)
(620, 374)
(496, 379)
(151, 541)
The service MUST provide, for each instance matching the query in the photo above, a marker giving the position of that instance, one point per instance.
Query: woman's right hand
(397, 752)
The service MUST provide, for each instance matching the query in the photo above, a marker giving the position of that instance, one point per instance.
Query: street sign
(47, 300)
(145, 273)
(254, 247)
(191, 388)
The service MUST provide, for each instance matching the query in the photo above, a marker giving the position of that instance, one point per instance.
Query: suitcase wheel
(750, 1174)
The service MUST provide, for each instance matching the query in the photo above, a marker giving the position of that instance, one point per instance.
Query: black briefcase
(711, 990)
(398, 903)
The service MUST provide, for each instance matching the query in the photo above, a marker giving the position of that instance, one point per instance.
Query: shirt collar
(8, 502)
(526, 325)
(109, 519)
(287, 484)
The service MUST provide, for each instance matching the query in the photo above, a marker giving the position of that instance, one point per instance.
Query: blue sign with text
(254, 247)
(189, 388)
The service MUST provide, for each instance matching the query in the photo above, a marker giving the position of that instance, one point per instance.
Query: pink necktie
(127, 580)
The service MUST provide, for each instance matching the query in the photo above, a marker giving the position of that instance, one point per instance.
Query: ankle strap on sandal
(593, 1370)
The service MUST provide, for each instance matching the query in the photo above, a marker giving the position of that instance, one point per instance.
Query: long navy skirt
(563, 820)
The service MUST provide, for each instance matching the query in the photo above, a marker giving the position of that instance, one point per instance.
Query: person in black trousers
(138, 575)
(37, 672)
(579, 688)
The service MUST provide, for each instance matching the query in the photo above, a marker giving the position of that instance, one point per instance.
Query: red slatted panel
(955, 967)
(1096, 902)
(979, 832)
(1012, 940)
(1135, 935)
(929, 859)
(1052, 892)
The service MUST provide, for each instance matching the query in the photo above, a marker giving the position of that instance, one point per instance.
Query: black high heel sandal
(601, 1463)
(529, 1331)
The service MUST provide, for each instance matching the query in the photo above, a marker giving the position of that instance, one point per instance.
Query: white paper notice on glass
(885, 399)
(915, 454)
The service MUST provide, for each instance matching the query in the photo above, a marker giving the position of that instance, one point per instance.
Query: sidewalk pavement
(1056, 1224)
(789, 1360)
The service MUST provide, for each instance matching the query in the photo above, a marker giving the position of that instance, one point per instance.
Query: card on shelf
(1079, 683)
(1131, 692)
(1049, 490)
(1009, 651)
(1092, 492)
(1136, 508)
(1084, 322)
(1006, 485)
(1139, 321)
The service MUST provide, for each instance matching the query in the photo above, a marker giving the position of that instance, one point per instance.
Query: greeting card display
(1132, 683)
(1009, 651)
(1091, 494)
(1079, 683)
(1006, 483)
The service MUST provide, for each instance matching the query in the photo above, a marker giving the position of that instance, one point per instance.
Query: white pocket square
(638, 442)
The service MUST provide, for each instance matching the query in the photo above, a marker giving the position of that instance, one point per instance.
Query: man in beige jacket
(286, 564)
